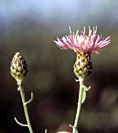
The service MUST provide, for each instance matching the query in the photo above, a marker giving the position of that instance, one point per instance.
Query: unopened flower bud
(83, 65)
(18, 67)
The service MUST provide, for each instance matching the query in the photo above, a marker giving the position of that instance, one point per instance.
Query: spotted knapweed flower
(18, 67)
(83, 44)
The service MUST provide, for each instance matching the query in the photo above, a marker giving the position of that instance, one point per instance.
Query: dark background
(30, 27)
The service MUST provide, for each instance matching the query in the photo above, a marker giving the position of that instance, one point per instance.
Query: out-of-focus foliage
(30, 28)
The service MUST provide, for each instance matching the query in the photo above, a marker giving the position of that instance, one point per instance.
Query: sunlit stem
(46, 130)
(25, 103)
(81, 90)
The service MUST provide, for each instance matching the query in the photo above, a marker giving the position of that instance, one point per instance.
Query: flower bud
(18, 67)
(83, 65)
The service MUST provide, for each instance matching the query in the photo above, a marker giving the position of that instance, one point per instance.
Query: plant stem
(81, 89)
(25, 107)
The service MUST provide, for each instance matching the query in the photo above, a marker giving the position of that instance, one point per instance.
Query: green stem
(25, 107)
(81, 89)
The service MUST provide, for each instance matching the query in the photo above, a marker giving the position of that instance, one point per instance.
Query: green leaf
(83, 95)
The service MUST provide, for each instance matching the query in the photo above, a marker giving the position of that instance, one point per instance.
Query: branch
(31, 99)
(19, 123)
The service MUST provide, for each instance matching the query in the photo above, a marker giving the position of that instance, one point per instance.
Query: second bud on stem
(18, 71)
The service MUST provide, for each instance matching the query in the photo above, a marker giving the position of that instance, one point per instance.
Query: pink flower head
(83, 42)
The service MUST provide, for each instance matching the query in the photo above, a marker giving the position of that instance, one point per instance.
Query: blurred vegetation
(51, 79)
